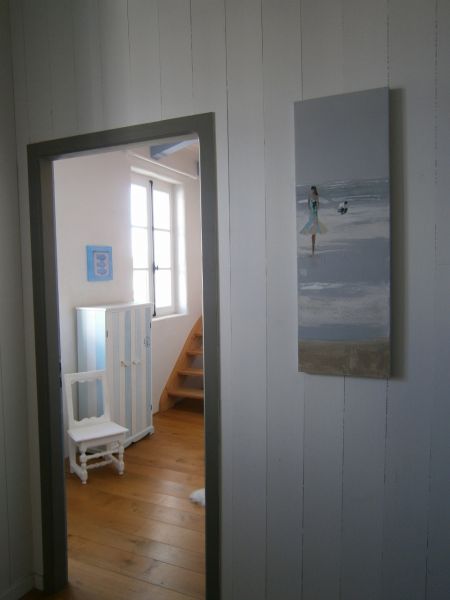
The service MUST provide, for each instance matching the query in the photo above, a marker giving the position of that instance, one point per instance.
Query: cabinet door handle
(124, 363)
(136, 362)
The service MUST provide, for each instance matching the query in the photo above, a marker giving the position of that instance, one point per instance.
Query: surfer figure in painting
(313, 226)
(343, 207)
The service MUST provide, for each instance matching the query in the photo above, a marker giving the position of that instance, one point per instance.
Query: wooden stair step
(185, 366)
(191, 372)
(195, 352)
(186, 393)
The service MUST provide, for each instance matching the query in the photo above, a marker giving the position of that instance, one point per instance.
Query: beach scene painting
(343, 234)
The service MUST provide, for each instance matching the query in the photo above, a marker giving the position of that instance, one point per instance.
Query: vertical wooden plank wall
(442, 131)
(321, 37)
(322, 484)
(333, 488)
(21, 99)
(115, 63)
(412, 77)
(175, 54)
(438, 571)
(365, 44)
(37, 70)
(62, 66)
(5, 566)
(281, 88)
(87, 65)
(144, 61)
(247, 296)
(438, 580)
(15, 521)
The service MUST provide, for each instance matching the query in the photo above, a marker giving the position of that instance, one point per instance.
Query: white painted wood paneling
(115, 63)
(22, 136)
(210, 94)
(438, 577)
(19, 78)
(363, 488)
(281, 76)
(443, 131)
(13, 406)
(37, 70)
(15, 530)
(144, 61)
(322, 503)
(364, 44)
(411, 67)
(87, 65)
(209, 69)
(4, 527)
(15, 421)
(175, 51)
(247, 295)
(322, 49)
(62, 66)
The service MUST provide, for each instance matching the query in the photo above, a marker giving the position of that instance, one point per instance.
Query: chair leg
(72, 455)
(83, 461)
(121, 466)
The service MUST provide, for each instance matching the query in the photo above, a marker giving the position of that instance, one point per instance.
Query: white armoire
(117, 338)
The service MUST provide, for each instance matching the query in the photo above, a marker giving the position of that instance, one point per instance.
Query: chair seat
(95, 432)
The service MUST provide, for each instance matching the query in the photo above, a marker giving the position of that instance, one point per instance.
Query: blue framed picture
(99, 263)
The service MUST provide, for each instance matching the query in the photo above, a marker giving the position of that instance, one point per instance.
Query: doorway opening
(42, 158)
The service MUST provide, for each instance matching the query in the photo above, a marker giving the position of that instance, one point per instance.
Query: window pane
(139, 247)
(162, 249)
(138, 205)
(161, 210)
(163, 288)
(140, 286)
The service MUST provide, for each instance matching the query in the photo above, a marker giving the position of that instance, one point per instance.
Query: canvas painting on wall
(343, 234)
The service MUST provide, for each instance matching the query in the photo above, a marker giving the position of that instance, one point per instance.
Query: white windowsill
(171, 316)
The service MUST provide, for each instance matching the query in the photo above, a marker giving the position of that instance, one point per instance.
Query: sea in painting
(344, 286)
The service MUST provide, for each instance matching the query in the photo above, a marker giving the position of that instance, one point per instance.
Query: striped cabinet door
(141, 365)
(118, 339)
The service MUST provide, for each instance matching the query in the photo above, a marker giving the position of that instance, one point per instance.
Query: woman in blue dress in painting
(313, 226)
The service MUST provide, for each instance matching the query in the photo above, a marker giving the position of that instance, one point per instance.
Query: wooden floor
(138, 535)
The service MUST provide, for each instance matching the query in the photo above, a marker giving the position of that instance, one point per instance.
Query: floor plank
(137, 566)
(106, 504)
(139, 536)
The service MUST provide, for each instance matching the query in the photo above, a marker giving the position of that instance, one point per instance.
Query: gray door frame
(45, 294)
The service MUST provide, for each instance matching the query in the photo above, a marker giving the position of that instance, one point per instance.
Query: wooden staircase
(186, 378)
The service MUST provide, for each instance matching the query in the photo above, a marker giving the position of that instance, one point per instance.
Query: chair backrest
(86, 377)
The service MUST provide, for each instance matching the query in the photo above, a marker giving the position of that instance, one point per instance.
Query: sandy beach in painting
(360, 359)
(344, 289)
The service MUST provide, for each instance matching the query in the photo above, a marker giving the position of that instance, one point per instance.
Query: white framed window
(154, 242)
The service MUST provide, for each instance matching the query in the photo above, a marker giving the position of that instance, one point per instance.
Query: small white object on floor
(198, 496)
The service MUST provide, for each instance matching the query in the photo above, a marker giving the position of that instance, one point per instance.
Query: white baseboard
(18, 589)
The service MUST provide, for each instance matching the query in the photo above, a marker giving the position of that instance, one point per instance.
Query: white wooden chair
(93, 432)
